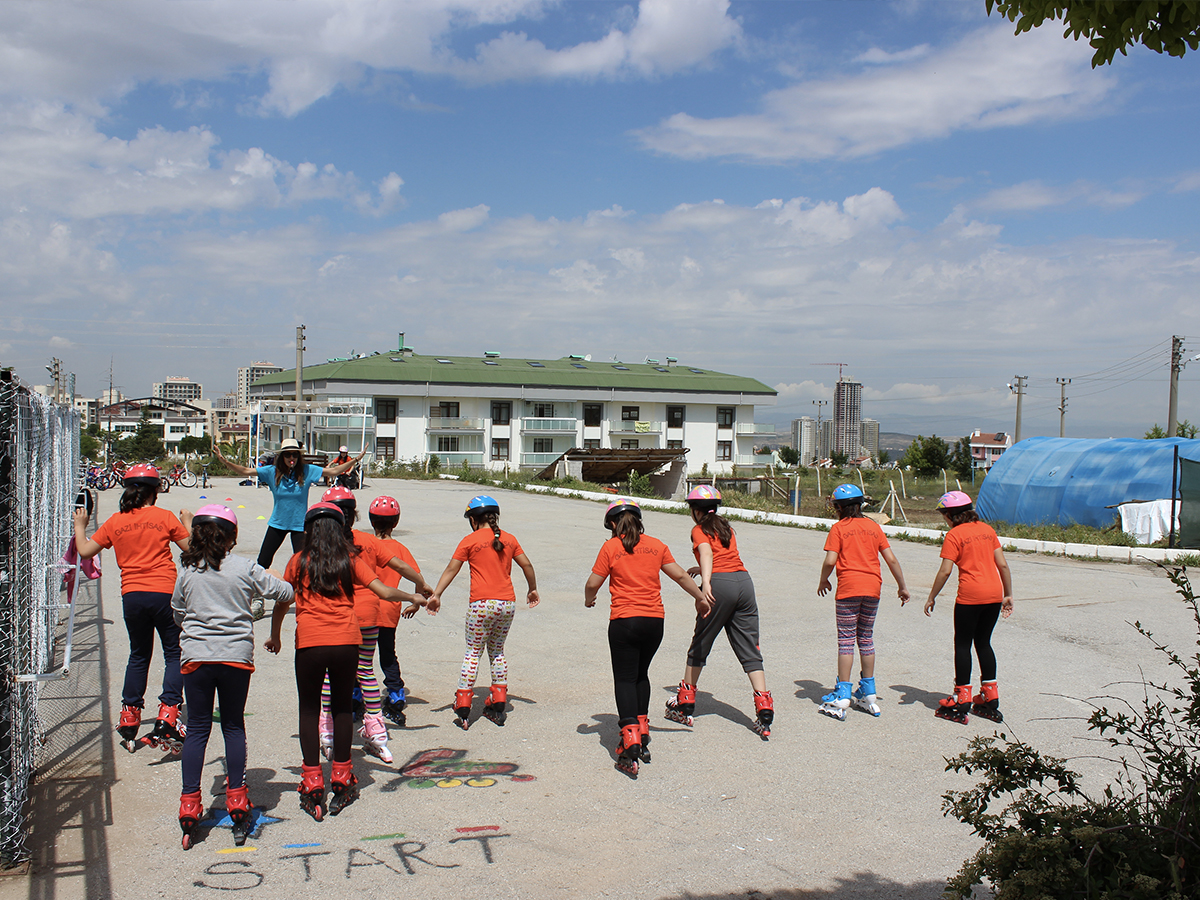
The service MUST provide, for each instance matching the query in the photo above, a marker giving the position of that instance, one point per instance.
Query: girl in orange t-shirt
(984, 594)
(631, 561)
(727, 585)
(853, 548)
(141, 535)
(490, 553)
(366, 609)
(385, 516)
(324, 576)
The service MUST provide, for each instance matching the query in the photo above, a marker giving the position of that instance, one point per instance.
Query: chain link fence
(39, 478)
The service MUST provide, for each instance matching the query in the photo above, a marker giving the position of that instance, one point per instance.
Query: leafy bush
(639, 485)
(1140, 839)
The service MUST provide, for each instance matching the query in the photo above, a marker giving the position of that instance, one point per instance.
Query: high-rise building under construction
(847, 418)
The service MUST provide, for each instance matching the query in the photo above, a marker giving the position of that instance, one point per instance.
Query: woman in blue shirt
(289, 480)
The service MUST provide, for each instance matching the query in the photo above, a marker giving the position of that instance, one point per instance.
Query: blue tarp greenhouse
(1064, 481)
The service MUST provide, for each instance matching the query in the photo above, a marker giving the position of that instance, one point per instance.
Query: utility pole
(818, 404)
(1018, 388)
(1062, 405)
(1176, 366)
(55, 370)
(299, 377)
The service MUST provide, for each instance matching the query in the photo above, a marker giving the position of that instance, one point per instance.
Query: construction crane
(839, 365)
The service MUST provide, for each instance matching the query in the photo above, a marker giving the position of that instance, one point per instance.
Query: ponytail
(716, 526)
(628, 527)
(138, 495)
(489, 520)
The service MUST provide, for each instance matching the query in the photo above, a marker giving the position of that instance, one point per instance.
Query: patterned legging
(367, 682)
(856, 624)
(488, 622)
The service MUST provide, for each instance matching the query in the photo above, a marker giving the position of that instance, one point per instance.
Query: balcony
(454, 423)
(627, 426)
(543, 426)
(752, 459)
(754, 428)
(455, 460)
(541, 460)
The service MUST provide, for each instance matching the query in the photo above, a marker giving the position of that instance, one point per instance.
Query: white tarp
(1148, 522)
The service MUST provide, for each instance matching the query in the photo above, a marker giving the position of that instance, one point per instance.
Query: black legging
(340, 661)
(633, 643)
(973, 624)
(273, 540)
(231, 685)
(388, 663)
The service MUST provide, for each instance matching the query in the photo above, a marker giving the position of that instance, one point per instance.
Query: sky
(762, 188)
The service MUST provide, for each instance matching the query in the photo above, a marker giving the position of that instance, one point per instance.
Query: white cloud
(87, 54)
(986, 80)
(1034, 195)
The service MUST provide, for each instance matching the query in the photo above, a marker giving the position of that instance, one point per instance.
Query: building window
(500, 448)
(447, 443)
(385, 410)
(674, 445)
(543, 410)
(385, 448)
(630, 413)
(675, 416)
(629, 443)
(447, 409)
(592, 414)
(501, 414)
(543, 445)
(591, 443)
(724, 450)
(724, 416)
(178, 429)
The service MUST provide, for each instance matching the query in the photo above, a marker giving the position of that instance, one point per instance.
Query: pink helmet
(215, 512)
(384, 506)
(954, 500)
(339, 495)
(142, 473)
(619, 506)
(704, 496)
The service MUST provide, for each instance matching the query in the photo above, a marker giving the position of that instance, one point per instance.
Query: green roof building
(497, 412)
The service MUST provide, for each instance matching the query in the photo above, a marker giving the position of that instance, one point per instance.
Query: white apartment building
(179, 388)
(804, 439)
(496, 412)
(177, 419)
(247, 375)
(870, 438)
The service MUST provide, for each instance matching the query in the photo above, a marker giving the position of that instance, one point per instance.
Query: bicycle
(204, 482)
(179, 475)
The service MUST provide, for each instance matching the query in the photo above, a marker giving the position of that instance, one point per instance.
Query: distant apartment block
(847, 418)
(804, 439)
(177, 388)
(825, 439)
(869, 438)
(987, 447)
(247, 375)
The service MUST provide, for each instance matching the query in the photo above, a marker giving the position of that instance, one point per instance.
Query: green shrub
(639, 485)
(1139, 839)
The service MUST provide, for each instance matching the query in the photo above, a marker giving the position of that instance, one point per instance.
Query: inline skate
(955, 707)
(629, 749)
(325, 733)
(987, 702)
(864, 697)
(169, 731)
(644, 734)
(462, 707)
(343, 785)
(375, 737)
(191, 811)
(393, 707)
(312, 791)
(682, 705)
(238, 805)
(496, 707)
(131, 721)
(836, 703)
(764, 712)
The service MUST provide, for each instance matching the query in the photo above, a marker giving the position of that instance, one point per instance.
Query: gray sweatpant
(736, 611)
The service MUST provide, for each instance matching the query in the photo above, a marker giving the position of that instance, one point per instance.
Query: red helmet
(142, 473)
(384, 506)
(339, 495)
(324, 510)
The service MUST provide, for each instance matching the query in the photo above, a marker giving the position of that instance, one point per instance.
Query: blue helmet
(847, 493)
(477, 506)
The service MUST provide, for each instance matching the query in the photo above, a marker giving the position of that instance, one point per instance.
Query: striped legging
(367, 682)
(856, 624)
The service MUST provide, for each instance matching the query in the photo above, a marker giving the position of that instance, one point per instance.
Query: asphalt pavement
(823, 810)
